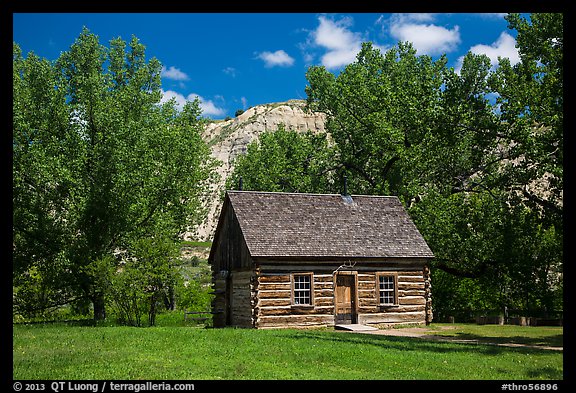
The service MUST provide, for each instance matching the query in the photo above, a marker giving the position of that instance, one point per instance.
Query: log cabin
(300, 260)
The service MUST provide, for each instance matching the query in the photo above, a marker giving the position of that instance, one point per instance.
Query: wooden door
(345, 299)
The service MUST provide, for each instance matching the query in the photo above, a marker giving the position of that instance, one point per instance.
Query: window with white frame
(302, 289)
(387, 289)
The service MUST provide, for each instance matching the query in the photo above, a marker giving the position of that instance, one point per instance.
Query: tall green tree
(531, 102)
(98, 162)
(379, 108)
(475, 155)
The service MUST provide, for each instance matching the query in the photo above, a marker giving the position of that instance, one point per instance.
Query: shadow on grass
(556, 341)
(430, 345)
(71, 322)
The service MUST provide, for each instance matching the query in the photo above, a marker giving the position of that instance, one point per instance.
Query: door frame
(353, 295)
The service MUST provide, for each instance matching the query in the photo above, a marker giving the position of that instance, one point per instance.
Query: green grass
(506, 334)
(56, 352)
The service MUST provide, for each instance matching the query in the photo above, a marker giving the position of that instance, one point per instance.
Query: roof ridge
(307, 193)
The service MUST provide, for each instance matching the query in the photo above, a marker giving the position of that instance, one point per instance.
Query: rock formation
(229, 138)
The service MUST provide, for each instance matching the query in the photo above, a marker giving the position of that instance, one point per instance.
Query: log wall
(411, 301)
(242, 299)
(219, 301)
(274, 306)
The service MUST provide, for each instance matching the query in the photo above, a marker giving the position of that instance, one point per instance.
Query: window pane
(386, 287)
(302, 289)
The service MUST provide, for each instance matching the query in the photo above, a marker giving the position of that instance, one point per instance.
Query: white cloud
(504, 46)
(167, 95)
(335, 35)
(492, 15)
(174, 74)
(230, 71)
(339, 58)
(209, 108)
(244, 102)
(278, 58)
(427, 39)
(401, 18)
(342, 44)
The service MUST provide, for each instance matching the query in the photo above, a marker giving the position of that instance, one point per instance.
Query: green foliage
(475, 156)
(238, 112)
(98, 163)
(379, 108)
(285, 161)
(193, 295)
(137, 282)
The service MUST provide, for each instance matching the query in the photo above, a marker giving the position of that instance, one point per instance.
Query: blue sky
(236, 60)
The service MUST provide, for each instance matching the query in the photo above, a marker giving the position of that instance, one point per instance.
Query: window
(302, 289)
(386, 289)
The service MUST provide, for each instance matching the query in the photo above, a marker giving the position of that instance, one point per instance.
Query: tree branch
(477, 273)
(547, 205)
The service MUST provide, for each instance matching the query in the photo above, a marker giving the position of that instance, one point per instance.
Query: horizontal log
(324, 301)
(328, 278)
(410, 273)
(367, 285)
(367, 302)
(274, 286)
(264, 294)
(411, 285)
(285, 301)
(323, 285)
(291, 310)
(323, 292)
(294, 320)
(273, 278)
(273, 302)
(411, 292)
(411, 300)
(412, 278)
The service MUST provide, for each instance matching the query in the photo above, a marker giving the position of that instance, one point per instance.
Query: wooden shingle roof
(326, 225)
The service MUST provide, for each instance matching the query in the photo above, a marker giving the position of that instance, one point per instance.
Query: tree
(285, 161)
(379, 108)
(98, 162)
(138, 284)
(531, 101)
(482, 178)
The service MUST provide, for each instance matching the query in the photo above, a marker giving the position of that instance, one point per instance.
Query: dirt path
(428, 334)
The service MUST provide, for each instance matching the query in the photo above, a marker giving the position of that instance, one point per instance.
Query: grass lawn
(57, 351)
(507, 334)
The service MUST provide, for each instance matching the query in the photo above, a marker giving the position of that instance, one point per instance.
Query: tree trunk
(99, 307)
(152, 312)
(169, 299)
